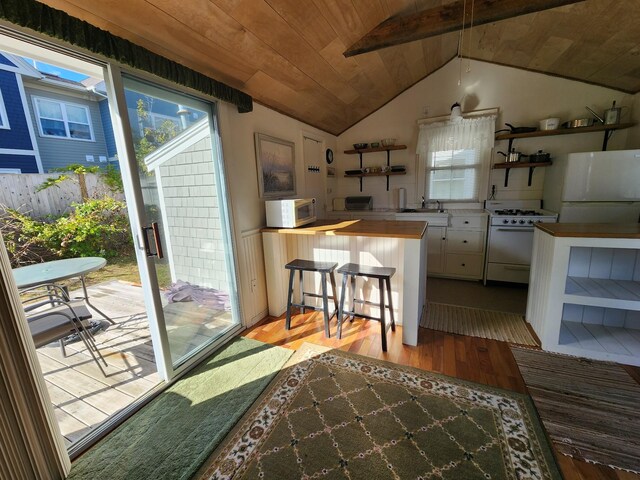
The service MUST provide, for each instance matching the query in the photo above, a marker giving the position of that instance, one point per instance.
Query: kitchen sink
(423, 210)
(435, 217)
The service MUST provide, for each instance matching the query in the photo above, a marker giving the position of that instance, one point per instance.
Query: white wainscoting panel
(254, 288)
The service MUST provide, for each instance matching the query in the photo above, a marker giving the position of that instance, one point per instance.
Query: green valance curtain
(58, 24)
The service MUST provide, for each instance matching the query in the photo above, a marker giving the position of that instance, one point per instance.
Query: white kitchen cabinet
(584, 296)
(466, 244)
(436, 239)
(456, 242)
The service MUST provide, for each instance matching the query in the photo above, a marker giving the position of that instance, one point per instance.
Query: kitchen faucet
(439, 204)
(423, 205)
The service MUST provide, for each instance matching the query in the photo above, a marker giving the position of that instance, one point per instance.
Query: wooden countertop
(359, 228)
(591, 230)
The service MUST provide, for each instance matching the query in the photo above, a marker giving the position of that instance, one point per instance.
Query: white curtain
(475, 134)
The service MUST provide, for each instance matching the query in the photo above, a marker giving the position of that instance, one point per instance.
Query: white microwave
(290, 212)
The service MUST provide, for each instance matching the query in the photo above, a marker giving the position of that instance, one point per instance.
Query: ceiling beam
(444, 19)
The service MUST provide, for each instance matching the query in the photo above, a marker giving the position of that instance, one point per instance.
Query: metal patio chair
(52, 316)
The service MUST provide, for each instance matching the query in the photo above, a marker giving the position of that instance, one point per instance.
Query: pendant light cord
(461, 41)
(470, 36)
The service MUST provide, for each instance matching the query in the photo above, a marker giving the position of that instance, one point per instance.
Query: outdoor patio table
(58, 270)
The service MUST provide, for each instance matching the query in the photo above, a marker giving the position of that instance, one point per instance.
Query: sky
(55, 70)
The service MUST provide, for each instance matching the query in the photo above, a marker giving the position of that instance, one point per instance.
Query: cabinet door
(463, 265)
(435, 249)
(465, 241)
(478, 222)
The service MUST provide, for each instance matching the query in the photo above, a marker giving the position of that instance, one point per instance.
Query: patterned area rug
(337, 415)
(589, 408)
(475, 322)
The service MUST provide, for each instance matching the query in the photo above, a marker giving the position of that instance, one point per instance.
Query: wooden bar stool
(383, 274)
(323, 268)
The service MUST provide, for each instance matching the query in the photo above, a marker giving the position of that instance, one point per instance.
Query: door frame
(114, 82)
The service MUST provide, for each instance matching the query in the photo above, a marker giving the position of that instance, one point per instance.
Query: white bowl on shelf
(550, 123)
(388, 142)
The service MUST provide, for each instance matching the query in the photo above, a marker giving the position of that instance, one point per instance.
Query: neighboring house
(48, 122)
(18, 145)
(68, 122)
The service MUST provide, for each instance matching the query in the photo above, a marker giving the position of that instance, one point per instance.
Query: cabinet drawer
(478, 222)
(465, 241)
(464, 265)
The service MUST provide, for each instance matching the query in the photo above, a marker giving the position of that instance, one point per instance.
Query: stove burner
(517, 211)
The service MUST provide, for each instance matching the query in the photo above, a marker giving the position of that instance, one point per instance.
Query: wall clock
(329, 155)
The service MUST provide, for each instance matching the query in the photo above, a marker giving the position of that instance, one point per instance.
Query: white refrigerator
(594, 187)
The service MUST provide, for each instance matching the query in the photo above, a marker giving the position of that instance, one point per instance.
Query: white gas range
(510, 242)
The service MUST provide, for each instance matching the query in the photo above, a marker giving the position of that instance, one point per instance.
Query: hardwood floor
(476, 359)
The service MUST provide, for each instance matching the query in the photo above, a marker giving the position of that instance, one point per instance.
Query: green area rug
(175, 433)
(337, 415)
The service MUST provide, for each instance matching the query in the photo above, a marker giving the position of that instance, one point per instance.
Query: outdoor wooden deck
(84, 397)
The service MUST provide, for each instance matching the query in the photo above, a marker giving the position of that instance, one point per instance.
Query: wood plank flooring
(476, 359)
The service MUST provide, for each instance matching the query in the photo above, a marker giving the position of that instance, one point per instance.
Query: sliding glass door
(184, 233)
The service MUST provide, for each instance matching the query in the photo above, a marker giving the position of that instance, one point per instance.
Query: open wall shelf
(388, 149)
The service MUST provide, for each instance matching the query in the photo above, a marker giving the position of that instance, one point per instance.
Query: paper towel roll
(402, 198)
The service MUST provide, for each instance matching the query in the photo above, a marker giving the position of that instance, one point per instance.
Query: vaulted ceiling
(288, 54)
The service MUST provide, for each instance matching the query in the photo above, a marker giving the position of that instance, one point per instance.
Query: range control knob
(530, 222)
(513, 221)
(505, 221)
(521, 222)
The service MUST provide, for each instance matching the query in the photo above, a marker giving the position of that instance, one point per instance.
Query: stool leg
(289, 297)
(341, 307)
(304, 310)
(332, 277)
(353, 296)
(325, 304)
(382, 321)
(393, 322)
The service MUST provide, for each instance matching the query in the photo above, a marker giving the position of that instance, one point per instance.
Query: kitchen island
(388, 243)
(584, 295)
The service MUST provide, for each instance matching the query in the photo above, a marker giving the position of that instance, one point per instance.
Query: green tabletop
(56, 270)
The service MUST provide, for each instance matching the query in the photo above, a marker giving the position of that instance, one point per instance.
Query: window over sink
(454, 158)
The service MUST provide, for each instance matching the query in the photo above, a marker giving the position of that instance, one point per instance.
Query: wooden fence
(19, 192)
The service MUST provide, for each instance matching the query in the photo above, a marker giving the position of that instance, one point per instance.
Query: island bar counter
(382, 243)
(584, 292)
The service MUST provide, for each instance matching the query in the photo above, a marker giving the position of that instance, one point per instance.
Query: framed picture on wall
(276, 166)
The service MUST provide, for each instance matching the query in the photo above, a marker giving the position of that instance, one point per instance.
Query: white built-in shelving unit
(584, 296)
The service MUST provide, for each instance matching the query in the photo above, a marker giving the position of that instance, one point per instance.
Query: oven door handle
(514, 229)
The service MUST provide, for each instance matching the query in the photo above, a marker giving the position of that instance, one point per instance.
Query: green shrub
(97, 227)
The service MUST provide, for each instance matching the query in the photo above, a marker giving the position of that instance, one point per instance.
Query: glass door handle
(156, 238)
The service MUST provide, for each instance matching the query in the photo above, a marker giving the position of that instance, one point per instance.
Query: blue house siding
(60, 152)
(107, 128)
(17, 136)
(26, 163)
(5, 61)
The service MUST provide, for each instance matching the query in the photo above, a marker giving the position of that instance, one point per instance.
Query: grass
(123, 269)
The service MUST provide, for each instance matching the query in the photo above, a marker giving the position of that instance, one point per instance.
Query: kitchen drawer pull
(464, 265)
(522, 268)
(464, 241)
(515, 229)
(466, 222)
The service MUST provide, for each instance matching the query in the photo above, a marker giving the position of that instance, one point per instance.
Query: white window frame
(63, 104)
(478, 167)
(3, 114)
(483, 172)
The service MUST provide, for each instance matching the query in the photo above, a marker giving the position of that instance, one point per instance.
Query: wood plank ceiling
(288, 54)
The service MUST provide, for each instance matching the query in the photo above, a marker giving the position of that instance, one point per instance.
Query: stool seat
(311, 266)
(324, 269)
(383, 275)
(367, 270)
